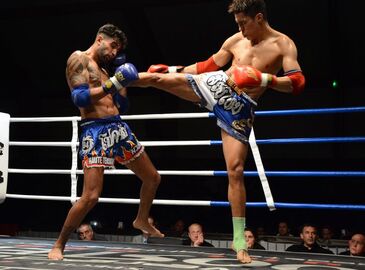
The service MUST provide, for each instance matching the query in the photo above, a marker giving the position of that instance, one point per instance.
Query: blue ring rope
(308, 111)
(295, 205)
(303, 140)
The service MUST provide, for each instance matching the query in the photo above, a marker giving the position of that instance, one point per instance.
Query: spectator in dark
(260, 233)
(326, 236)
(308, 235)
(196, 236)
(283, 229)
(356, 246)
(251, 240)
(178, 229)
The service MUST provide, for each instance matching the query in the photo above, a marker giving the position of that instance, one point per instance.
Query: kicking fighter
(105, 138)
(233, 97)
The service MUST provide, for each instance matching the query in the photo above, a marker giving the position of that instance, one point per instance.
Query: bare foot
(56, 253)
(243, 256)
(147, 228)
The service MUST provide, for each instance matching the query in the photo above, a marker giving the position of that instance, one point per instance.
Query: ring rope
(196, 115)
(205, 173)
(209, 142)
(196, 203)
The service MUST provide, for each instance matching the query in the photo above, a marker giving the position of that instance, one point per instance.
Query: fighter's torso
(103, 107)
(266, 56)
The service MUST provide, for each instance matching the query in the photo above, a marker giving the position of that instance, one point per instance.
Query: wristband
(112, 86)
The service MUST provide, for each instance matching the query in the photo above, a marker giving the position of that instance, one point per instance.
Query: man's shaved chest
(265, 56)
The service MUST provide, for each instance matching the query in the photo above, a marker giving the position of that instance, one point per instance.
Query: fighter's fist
(123, 75)
(161, 68)
(247, 76)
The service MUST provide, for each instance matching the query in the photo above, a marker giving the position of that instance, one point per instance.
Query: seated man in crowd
(178, 229)
(283, 229)
(309, 236)
(196, 236)
(86, 232)
(326, 236)
(356, 246)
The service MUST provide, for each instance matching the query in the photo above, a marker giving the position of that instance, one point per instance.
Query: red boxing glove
(247, 76)
(161, 68)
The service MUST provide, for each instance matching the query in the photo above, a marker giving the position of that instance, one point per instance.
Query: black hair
(249, 7)
(114, 32)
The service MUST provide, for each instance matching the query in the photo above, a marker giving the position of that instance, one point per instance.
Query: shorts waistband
(91, 121)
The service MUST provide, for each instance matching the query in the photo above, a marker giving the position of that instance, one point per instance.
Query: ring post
(4, 154)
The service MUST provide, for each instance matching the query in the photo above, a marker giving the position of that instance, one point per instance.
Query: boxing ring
(31, 253)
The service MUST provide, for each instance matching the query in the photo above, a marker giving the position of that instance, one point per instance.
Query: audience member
(283, 229)
(85, 232)
(356, 246)
(326, 236)
(260, 233)
(196, 236)
(178, 229)
(309, 236)
(143, 238)
(251, 240)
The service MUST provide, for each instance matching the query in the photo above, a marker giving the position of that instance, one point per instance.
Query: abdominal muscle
(102, 108)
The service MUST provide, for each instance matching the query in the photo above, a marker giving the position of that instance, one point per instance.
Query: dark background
(38, 37)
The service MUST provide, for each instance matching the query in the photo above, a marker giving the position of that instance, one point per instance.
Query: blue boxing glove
(123, 75)
(119, 60)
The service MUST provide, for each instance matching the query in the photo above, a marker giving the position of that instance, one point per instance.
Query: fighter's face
(246, 25)
(108, 49)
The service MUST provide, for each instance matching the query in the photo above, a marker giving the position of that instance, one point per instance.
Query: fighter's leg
(93, 185)
(235, 153)
(173, 83)
(146, 171)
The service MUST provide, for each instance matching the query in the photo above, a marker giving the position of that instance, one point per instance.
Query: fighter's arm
(213, 63)
(293, 80)
(78, 78)
(85, 84)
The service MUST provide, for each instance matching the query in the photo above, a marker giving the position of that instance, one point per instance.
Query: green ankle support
(239, 241)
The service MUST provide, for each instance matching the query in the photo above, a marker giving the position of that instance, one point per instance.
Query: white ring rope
(124, 117)
(145, 143)
(110, 200)
(74, 171)
(113, 172)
